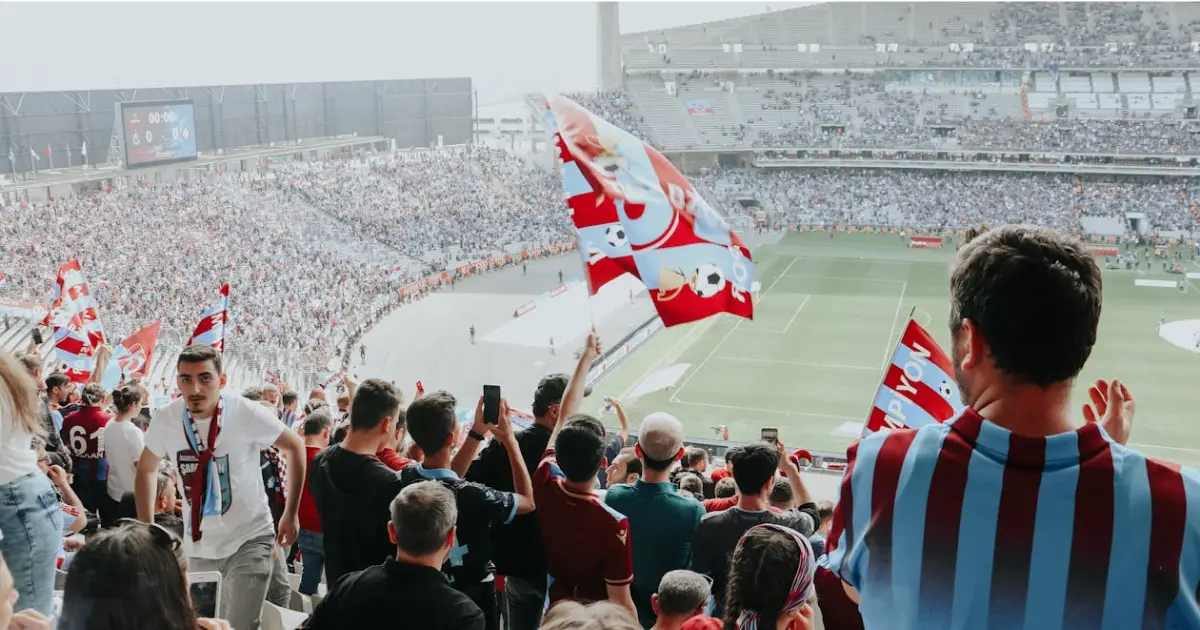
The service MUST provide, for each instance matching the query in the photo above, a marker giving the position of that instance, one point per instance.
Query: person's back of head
(289, 398)
(126, 399)
(770, 580)
(572, 615)
(1024, 310)
(432, 423)
(31, 365)
(725, 488)
(754, 466)
(825, 512)
(375, 401)
(681, 594)
(692, 483)
(127, 578)
(253, 393)
(317, 425)
(696, 459)
(781, 495)
(660, 441)
(423, 521)
(579, 448)
(93, 394)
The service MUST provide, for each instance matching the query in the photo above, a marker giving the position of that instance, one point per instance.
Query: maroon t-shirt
(586, 541)
(82, 431)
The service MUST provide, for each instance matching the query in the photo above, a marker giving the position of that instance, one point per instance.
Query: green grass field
(828, 318)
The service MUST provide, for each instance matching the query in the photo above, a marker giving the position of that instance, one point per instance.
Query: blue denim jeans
(312, 556)
(32, 527)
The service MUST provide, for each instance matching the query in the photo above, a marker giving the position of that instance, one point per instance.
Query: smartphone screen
(37, 337)
(770, 436)
(491, 404)
(204, 598)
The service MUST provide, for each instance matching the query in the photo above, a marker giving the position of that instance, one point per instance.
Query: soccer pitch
(828, 318)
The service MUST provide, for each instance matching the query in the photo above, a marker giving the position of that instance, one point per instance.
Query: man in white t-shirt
(227, 522)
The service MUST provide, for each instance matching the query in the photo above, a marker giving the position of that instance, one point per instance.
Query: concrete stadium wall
(413, 111)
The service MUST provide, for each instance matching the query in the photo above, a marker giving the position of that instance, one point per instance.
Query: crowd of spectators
(419, 203)
(311, 249)
(406, 514)
(948, 200)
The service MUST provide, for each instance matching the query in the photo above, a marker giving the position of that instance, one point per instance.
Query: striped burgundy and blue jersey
(966, 525)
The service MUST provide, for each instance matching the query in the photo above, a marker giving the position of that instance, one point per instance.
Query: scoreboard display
(158, 132)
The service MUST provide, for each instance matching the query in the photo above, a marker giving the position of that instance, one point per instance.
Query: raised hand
(1112, 407)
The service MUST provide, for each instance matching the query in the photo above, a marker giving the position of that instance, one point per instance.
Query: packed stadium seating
(883, 75)
(313, 250)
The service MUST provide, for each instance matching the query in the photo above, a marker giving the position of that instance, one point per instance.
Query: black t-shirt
(705, 482)
(395, 595)
(353, 494)
(479, 508)
(719, 533)
(516, 547)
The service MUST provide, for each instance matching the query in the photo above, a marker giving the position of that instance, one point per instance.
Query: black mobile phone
(491, 404)
(770, 435)
(37, 336)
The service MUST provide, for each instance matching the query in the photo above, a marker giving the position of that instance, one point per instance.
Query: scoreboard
(158, 132)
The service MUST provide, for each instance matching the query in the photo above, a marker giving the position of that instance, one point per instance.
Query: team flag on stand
(74, 350)
(73, 306)
(132, 356)
(636, 214)
(211, 329)
(918, 387)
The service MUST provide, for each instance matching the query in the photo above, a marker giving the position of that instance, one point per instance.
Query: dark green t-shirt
(661, 527)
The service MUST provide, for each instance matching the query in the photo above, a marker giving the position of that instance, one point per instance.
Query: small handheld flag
(918, 385)
(211, 329)
(635, 213)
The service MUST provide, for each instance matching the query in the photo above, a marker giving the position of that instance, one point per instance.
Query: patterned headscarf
(802, 585)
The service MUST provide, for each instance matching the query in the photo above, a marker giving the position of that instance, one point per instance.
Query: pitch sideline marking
(675, 394)
(775, 411)
(789, 324)
(834, 366)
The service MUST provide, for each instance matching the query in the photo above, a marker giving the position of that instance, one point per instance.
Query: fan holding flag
(983, 488)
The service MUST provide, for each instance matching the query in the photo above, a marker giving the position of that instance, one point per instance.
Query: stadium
(819, 132)
(321, 234)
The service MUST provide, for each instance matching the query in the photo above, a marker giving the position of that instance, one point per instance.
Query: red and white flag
(918, 386)
(211, 329)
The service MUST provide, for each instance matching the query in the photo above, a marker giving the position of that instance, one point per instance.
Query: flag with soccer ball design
(635, 213)
(918, 387)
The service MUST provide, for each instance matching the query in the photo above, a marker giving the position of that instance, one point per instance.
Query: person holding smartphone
(434, 427)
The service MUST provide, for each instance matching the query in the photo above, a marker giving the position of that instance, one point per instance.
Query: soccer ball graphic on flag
(945, 390)
(615, 235)
(708, 281)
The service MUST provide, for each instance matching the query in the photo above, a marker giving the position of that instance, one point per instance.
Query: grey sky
(509, 48)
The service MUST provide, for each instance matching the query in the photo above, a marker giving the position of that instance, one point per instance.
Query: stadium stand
(471, 522)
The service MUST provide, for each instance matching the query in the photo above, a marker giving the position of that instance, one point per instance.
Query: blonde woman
(30, 521)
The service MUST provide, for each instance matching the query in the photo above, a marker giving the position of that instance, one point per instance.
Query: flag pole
(883, 371)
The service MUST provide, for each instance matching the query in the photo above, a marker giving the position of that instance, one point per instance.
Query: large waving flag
(211, 329)
(636, 214)
(73, 306)
(918, 387)
(132, 356)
